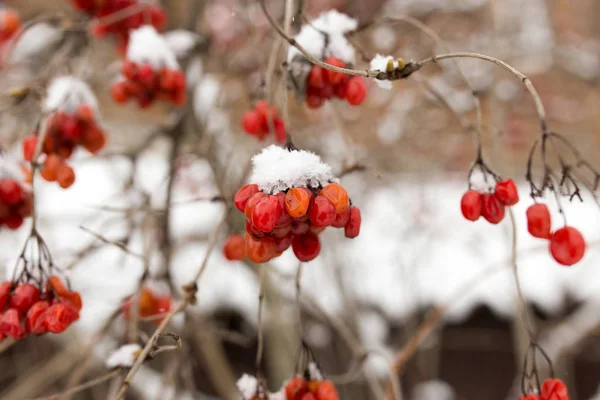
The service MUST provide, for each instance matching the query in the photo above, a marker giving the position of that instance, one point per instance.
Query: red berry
(252, 122)
(10, 22)
(492, 209)
(295, 388)
(10, 192)
(23, 297)
(567, 246)
(60, 315)
(554, 389)
(72, 129)
(34, 319)
(119, 92)
(74, 298)
(340, 90)
(55, 284)
(243, 194)
(94, 140)
(282, 231)
(4, 294)
(158, 18)
(297, 202)
(341, 219)
(250, 228)
(284, 217)
(65, 175)
(337, 195)
(29, 145)
(234, 248)
(352, 228)
(506, 192)
(300, 227)
(470, 205)
(314, 99)
(280, 132)
(251, 203)
(306, 247)
(266, 213)
(283, 243)
(259, 250)
(147, 77)
(129, 69)
(326, 391)
(322, 212)
(538, 221)
(85, 113)
(309, 396)
(14, 221)
(356, 90)
(10, 324)
(335, 78)
(317, 77)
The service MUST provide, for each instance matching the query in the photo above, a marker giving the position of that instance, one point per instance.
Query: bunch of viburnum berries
(16, 203)
(552, 389)
(153, 14)
(323, 84)
(567, 245)
(29, 309)
(64, 132)
(150, 305)
(10, 22)
(257, 122)
(147, 84)
(299, 388)
(295, 217)
(491, 206)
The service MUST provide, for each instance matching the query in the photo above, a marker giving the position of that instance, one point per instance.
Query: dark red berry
(506, 192)
(492, 209)
(352, 228)
(306, 247)
(538, 221)
(322, 212)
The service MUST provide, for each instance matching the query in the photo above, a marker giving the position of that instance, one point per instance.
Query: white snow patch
(146, 45)
(247, 386)
(335, 25)
(35, 40)
(276, 169)
(66, 93)
(379, 63)
(314, 372)
(124, 356)
(181, 42)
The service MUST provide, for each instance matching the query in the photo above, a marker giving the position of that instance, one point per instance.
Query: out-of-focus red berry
(252, 122)
(334, 77)
(243, 194)
(24, 296)
(11, 326)
(317, 77)
(259, 250)
(554, 389)
(234, 248)
(352, 228)
(4, 294)
(356, 90)
(10, 191)
(34, 319)
(326, 391)
(59, 316)
(29, 145)
(295, 388)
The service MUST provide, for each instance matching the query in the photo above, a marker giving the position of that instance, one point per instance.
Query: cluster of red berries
(567, 245)
(64, 133)
(28, 310)
(257, 122)
(150, 305)
(146, 84)
(10, 22)
(322, 84)
(153, 14)
(299, 388)
(293, 218)
(490, 206)
(552, 389)
(16, 203)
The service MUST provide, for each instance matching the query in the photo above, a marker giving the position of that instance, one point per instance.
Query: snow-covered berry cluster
(567, 245)
(291, 201)
(257, 122)
(149, 72)
(103, 25)
(16, 203)
(552, 389)
(150, 305)
(323, 84)
(491, 206)
(10, 22)
(31, 309)
(299, 388)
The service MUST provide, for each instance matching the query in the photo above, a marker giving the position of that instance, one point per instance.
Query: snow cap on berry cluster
(146, 45)
(66, 93)
(124, 356)
(380, 63)
(335, 25)
(314, 372)
(276, 169)
(247, 386)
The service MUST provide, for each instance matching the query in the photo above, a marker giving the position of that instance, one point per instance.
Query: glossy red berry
(356, 90)
(296, 388)
(297, 202)
(322, 212)
(352, 228)
(306, 247)
(252, 122)
(334, 77)
(24, 296)
(284, 217)
(34, 321)
(506, 191)
(59, 316)
(266, 213)
(251, 203)
(29, 145)
(337, 195)
(10, 324)
(326, 391)
(10, 191)
(567, 246)
(4, 294)
(243, 194)
(259, 250)
(554, 389)
(492, 209)
(317, 77)
(341, 219)
(234, 248)
(470, 205)
(538, 221)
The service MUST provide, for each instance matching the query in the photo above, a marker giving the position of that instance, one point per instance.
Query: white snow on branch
(34, 41)
(124, 356)
(146, 45)
(276, 169)
(66, 93)
(314, 372)
(247, 385)
(379, 63)
(181, 42)
(332, 24)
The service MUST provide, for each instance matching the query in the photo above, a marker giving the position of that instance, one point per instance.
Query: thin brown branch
(83, 386)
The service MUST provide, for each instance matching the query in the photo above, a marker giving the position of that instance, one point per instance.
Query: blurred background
(415, 255)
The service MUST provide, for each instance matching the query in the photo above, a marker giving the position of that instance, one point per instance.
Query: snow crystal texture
(277, 169)
(146, 45)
